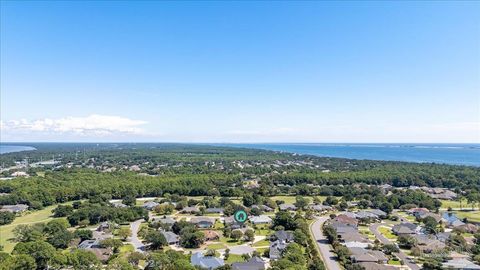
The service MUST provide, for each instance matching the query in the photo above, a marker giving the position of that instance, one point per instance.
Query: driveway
(328, 257)
(385, 241)
(134, 227)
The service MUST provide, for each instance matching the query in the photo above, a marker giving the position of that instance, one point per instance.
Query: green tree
(41, 251)
(81, 259)
(156, 239)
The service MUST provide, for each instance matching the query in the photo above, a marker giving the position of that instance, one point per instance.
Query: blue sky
(240, 72)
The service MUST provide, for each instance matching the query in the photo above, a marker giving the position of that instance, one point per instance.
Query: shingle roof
(208, 262)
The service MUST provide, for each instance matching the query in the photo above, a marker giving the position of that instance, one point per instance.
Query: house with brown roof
(211, 235)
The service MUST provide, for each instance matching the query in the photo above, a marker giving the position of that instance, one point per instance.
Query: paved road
(134, 227)
(385, 241)
(329, 258)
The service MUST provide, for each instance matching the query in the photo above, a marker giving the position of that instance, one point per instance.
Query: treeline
(398, 175)
(59, 187)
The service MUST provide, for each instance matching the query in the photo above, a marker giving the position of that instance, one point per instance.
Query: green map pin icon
(240, 216)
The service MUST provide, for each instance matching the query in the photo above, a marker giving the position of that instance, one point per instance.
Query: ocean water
(457, 154)
(14, 148)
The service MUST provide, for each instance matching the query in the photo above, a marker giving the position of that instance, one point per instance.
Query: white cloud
(98, 125)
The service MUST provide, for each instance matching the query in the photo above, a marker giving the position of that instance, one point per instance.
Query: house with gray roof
(262, 219)
(150, 205)
(254, 263)
(276, 249)
(284, 236)
(214, 210)
(165, 220)
(359, 255)
(405, 228)
(206, 262)
(462, 264)
(287, 207)
(203, 222)
(172, 238)
(17, 208)
(191, 210)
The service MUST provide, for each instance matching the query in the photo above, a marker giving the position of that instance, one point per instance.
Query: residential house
(437, 217)
(379, 213)
(168, 221)
(191, 210)
(150, 205)
(461, 264)
(211, 235)
(103, 254)
(359, 255)
(254, 263)
(320, 208)
(366, 215)
(17, 208)
(376, 266)
(263, 208)
(206, 262)
(242, 249)
(276, 249)
(203, 222)
(451, 220)
(345, 220)
(262, 219)
(405, 228)
(172, 238)
(214, 210)
(284, 236)
(469, 228)
(105, 226)
(287, 207)
(118, 205)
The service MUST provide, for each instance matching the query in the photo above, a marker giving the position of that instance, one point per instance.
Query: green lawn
(394, 262)
(387, 232)
(261, 243)
(216, 246)
(6, 231)
(470, 215)
(454, 204)
(126, 249)
(230, 241)
(263, 231)
(234, 258)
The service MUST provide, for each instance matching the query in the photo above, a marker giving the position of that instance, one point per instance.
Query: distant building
(150, 205)
(214, 210)
(287, 207)
(17, 208)
(462, 264)
(191, 210)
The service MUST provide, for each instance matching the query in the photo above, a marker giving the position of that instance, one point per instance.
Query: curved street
(374, 229)
(329, 258)
(134, 240)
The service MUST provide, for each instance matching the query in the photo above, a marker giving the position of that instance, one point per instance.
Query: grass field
(261, 243)
(216, 246)
(394, 262)
(235, 258)
(6, 231)
(387, 232)
(470, 215)
(454, 204)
